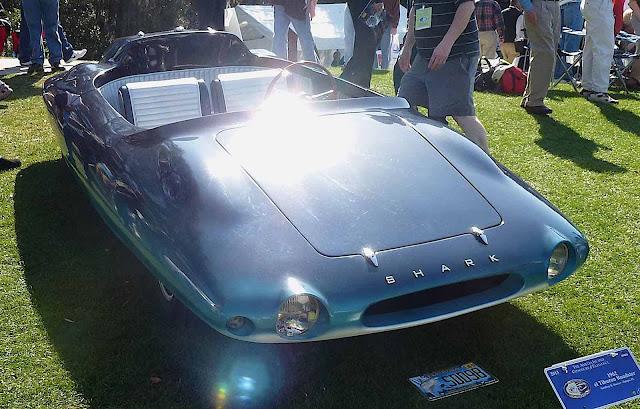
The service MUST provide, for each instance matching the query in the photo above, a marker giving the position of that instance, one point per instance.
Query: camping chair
(576, 58)
(622, 59)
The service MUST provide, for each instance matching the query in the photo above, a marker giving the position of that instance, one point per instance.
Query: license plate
(442, 384)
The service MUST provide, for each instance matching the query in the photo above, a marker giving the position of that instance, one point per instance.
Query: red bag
(513, 81)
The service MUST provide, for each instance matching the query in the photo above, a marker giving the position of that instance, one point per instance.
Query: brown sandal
(5, 90)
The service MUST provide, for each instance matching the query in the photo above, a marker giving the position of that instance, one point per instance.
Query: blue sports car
(280, 204)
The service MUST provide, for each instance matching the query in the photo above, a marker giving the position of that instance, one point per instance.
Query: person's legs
(488, 43)
(280, 30)
(413, 86)
(205, 14)
(303, 29)
(601, 42)
(398, 73)
(67, 49)
(509, 51)
(385, 47)
(451, 94)
(543, 40)
(33, 17)
(24, 54)
(587, 52)
(218, 14)
(359, 68)
(51, 21)
(473, 130)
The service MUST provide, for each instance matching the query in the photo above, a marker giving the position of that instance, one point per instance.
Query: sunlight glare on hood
(287, 141)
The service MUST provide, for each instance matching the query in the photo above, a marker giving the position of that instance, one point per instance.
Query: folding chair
(622, 59)
(575, 56)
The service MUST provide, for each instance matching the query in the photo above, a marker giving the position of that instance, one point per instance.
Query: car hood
(353, 180)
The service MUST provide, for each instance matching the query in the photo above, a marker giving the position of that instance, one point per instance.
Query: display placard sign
(596, 381)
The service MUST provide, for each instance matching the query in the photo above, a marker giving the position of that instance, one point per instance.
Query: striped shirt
(442, 14)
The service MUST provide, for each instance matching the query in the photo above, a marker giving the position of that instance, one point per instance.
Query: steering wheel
(331, 93)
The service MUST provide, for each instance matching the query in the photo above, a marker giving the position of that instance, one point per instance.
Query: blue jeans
(385, 47)
(25, 46)
(39, 13)
(24, 53)
(571, 17)
(281, 22)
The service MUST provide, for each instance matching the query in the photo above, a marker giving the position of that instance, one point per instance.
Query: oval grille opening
(442, 300)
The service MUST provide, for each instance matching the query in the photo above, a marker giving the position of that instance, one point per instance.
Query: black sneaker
(56, 67)
(35, 69)
(6, 164)
(538, 110)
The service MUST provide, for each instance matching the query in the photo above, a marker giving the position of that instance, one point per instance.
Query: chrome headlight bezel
(558, 261)
(297, 315)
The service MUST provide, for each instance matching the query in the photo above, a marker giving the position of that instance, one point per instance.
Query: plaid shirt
(489, 16)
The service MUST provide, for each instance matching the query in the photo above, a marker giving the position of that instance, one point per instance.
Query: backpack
(513, 81)
(483, 80)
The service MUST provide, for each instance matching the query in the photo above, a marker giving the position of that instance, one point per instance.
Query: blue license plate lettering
(463, 378)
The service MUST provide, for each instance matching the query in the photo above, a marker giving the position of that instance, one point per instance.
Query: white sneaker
(77, 54)
(602, 97)
(5, 91)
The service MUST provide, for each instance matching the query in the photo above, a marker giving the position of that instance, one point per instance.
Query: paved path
(12, 66)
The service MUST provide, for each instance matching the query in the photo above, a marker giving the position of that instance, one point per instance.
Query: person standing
(39, 13)
(597, 55)
(510, 16)
(211, 14)
(299, 13)
(490, 27)
(442, 74)
(542, 22)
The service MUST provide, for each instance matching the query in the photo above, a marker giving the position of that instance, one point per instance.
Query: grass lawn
(81, 325)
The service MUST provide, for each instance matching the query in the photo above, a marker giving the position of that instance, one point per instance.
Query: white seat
(156, 103)
(243, 91)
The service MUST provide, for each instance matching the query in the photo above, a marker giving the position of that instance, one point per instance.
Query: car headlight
(297, 315)
(558, 260)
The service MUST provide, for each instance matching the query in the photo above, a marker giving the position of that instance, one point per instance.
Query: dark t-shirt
(294, 8)
(442, 14)
(510, 16)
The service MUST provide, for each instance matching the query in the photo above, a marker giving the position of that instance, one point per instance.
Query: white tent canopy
(327, 27)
